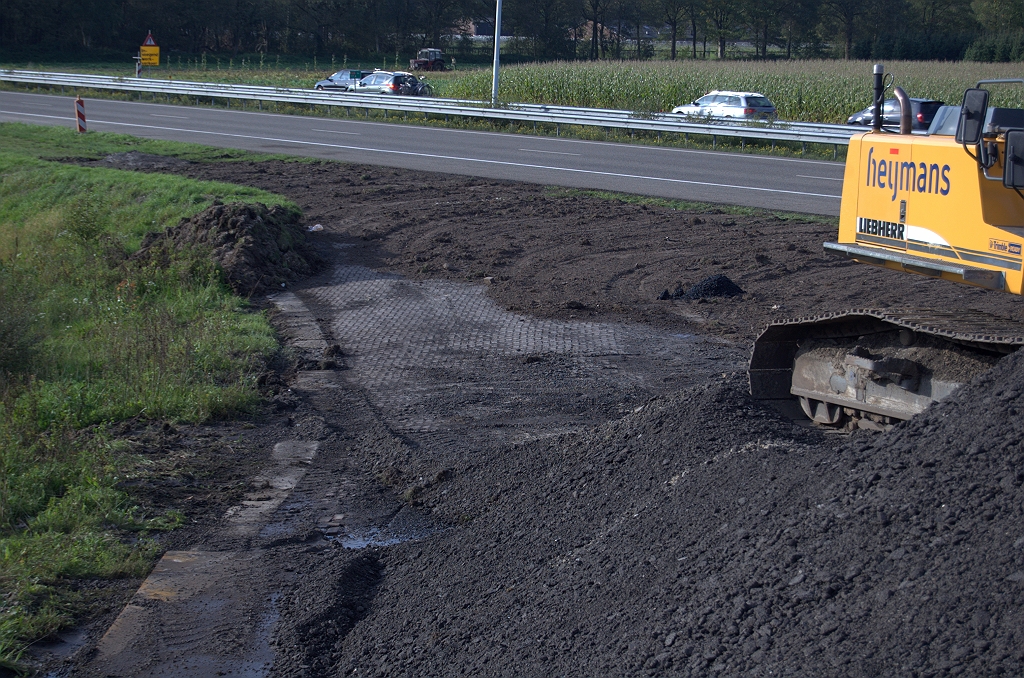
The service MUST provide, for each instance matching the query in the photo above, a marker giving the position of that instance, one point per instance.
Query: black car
(921, 113)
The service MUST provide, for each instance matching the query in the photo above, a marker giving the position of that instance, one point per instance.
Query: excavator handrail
(1001, 81)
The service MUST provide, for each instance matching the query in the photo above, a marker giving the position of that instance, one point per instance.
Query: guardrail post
(714, 142)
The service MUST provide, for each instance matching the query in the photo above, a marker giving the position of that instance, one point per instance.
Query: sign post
(497, 52)
(149, 53)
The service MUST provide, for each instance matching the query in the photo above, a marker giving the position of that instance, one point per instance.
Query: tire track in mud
(194, 614)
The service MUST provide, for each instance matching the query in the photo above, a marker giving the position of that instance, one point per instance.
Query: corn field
(813, 91)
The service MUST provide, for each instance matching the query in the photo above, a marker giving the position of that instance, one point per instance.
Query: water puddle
(372, 537)
(406, 525)
(57, 648)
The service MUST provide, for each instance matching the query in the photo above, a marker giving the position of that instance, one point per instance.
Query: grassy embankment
(87, 338)
(815, 91)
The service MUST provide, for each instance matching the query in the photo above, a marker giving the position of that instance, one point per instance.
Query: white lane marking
(434, 156)
(804, 176)
(537, 150)
(160, 115)
(335, 131)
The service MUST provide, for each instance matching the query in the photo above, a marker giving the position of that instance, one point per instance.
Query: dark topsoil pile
(699, 535)
(258, 248)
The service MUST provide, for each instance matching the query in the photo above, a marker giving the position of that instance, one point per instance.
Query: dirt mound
(704, 535)
(717, 285)
(258, 248)
(135, 161)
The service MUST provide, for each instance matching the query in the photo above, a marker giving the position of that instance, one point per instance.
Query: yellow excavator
(947, 204)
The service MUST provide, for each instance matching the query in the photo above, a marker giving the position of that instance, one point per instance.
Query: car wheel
(320, 87)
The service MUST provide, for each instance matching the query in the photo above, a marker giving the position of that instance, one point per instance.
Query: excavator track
(870, 368)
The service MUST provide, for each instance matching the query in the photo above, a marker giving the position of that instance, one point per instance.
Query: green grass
(63, 143)
(693, 206)
(88, 338)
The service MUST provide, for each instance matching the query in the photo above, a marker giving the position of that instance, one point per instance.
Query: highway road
(791, 184)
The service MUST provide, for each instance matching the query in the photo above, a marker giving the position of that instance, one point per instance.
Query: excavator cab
(942, 205)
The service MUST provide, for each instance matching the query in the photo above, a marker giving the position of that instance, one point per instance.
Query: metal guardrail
(782, 124)
(835, 135)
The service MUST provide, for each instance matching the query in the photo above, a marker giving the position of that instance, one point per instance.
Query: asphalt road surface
(791, 184)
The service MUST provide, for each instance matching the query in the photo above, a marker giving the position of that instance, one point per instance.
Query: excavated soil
(688, 532)
(257, 248)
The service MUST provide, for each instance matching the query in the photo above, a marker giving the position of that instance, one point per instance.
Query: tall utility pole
(497, 49)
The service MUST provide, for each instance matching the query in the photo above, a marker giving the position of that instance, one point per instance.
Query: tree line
(538, 29)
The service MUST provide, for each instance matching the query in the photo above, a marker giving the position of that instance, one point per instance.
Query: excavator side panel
(921, 204)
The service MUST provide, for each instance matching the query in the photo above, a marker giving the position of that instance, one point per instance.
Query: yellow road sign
(150, 55)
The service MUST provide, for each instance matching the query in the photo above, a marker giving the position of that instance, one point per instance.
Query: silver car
(342, 81)
(724, 104)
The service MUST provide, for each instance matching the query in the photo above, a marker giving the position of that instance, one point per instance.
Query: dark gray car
(921, 113)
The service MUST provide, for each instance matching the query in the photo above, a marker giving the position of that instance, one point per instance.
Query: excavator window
(1013, 165)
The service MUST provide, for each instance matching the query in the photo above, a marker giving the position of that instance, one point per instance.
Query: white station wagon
(721, 104)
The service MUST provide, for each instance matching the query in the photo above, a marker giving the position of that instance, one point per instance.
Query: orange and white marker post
(80, 114)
